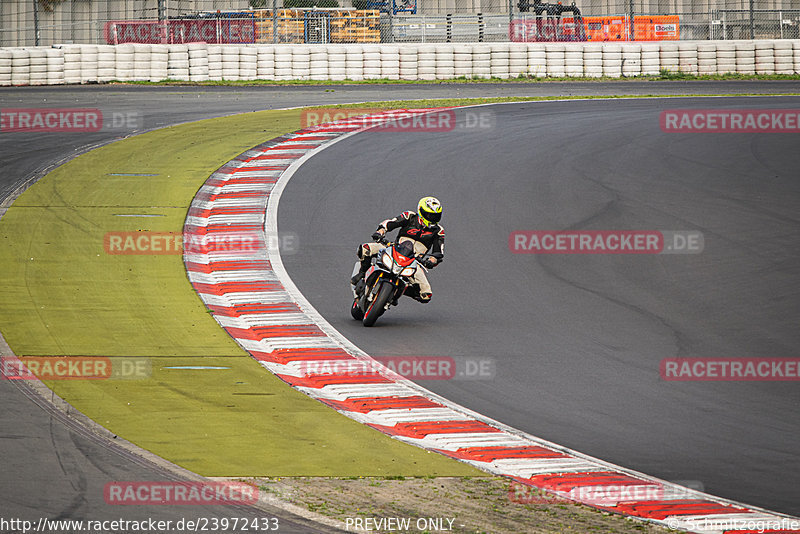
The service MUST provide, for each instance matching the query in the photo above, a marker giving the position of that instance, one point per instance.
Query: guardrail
(198, 62)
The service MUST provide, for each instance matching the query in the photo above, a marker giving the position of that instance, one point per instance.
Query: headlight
(386, 259)
(408, 271)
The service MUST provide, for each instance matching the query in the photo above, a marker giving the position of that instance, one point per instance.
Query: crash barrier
(197, 62)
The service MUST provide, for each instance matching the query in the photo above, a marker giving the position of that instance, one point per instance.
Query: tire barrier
(199, 62)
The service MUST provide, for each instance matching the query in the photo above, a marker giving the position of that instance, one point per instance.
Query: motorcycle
(387, 279)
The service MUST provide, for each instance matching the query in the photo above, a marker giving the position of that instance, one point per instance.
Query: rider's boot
(413, 292)
(359, 276)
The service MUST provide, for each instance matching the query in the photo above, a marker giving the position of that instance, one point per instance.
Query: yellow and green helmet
(429, 211)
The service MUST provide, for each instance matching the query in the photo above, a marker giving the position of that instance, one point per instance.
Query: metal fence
(46, 22)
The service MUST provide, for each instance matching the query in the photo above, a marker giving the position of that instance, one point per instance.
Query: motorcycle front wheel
(378, 304)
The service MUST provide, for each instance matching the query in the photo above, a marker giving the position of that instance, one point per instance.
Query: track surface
(577, 339)
(56, 471)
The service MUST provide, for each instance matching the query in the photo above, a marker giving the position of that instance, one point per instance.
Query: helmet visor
(429, 217)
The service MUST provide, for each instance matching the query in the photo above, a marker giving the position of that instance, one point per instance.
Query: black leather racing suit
(425, 239)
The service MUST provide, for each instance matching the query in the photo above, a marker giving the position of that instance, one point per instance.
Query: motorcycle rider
(423, 231)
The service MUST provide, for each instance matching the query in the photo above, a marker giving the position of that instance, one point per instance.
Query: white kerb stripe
(247, 320)
(342, 392)
(391, 417)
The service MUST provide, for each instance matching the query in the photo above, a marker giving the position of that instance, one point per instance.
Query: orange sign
(645, 28)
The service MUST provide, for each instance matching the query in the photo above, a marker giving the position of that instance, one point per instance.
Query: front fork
(398, 283)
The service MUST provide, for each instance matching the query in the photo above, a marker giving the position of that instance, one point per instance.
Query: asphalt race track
(576, 340)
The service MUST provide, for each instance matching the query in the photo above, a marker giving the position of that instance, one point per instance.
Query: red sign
(217, 31)
(545, 30)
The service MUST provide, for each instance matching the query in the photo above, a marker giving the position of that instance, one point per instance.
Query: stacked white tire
(215, 62)
(372, 62)
(38, 66)
(72, 63)
(670, 56)
(765, 57)
(337, 62)
(687, 57)
(265, 62)
(409, 55)
(651, 59)
(159, 62)
(5, 67)
(593, 60)
(573, 60)
(248, 63)
(501, 61)
(89, 63)
(390, 62)
(55, 66)
(537, 60)
(283, 62)
(745, 57)
(142, 56)
(631, 59)
(706, 58)
(20, 67)
(445, 62)
(726, 57)
(198, 62)
(106, 63)
(426, 62)
(796, 49)
(462, 60)
(517, 60)
(230, 62)
(784, 57)
(556, 56)
(481, 61)
(354, 62)
(178, 66)
(301, 62)
(612, 60)
(318, 63)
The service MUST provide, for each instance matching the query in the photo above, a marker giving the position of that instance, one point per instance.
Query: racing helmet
(429, 211)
